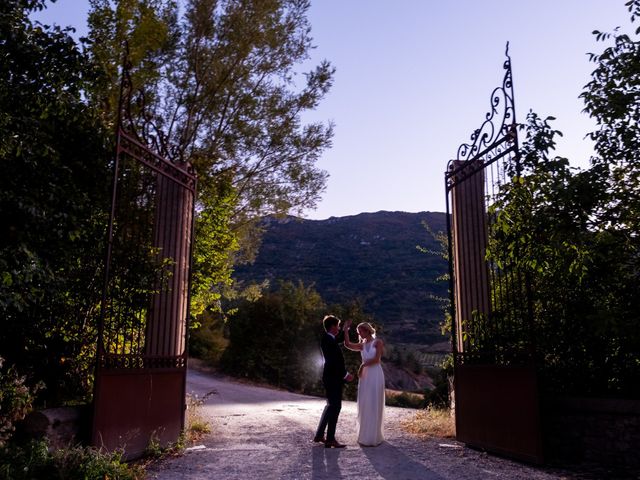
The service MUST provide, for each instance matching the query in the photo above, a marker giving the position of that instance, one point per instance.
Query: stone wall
(590, 430)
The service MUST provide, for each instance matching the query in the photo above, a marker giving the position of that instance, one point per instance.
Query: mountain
(372, 257)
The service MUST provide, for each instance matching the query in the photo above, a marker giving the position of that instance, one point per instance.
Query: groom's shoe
(318, 439)
(333, 444)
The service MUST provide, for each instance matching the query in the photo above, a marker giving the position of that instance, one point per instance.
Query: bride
(370, 384)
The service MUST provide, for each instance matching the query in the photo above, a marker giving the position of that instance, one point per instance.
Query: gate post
(495, 380)
(172, 236)
(469, 240)
(141, 360)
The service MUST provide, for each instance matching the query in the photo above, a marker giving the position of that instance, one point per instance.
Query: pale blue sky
(414, 78)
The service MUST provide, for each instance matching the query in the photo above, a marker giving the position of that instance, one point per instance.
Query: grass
(34, 460)
(431, 422)
(197, 426)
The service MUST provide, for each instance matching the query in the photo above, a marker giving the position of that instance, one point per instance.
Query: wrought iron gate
(139, 393)
(496, 397)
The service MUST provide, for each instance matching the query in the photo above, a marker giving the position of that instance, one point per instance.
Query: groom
(334, 375)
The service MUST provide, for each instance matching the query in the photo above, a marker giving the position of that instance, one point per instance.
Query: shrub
(34, 460)
(15, 401)
(404, 399)
(438, 397)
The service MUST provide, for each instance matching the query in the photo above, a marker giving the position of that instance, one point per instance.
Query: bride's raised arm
(356, 347)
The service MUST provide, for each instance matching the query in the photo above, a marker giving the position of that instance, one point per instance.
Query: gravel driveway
(260, 433)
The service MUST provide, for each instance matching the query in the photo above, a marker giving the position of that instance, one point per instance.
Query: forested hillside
(371, 257)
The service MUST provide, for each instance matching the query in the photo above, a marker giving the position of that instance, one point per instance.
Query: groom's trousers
(329, 418)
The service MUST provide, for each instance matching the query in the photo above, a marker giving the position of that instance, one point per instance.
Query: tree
(54, 181)
(221, 92)
(275, 339)
(612, 100)
(541, 232)
(576, 234)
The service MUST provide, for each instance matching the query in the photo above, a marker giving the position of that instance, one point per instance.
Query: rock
(62, 426)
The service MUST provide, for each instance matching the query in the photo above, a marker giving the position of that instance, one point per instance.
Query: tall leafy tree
(223, 91)
(576, 234)
(53, 185)
(612, 99)
(275, 338)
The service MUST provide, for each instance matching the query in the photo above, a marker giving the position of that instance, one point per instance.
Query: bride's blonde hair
(368, 327)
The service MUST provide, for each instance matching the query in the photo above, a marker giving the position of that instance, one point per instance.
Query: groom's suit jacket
(334, 370)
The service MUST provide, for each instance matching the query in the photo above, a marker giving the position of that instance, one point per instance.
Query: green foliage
(75, 463)
(208, 342)
(150, 31)
(276, 339)
(610, 98)
(580, 272)
(154, 448)
(15, 400)
(214, 248)
(438, 397)
(53, 198)
(442, 240)
(574, 235)
(405, 400)
(538, 233)
(220, 91)
(403, 357)
(369, 257)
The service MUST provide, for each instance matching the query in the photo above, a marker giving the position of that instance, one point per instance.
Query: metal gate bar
(139, 393)
(495, 382)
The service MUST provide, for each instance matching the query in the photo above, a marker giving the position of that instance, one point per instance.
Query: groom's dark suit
(333, 377)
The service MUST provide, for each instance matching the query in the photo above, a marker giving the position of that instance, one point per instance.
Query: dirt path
(263, 434)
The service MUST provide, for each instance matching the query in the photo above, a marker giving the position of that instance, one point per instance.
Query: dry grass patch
(197, 425)
(398, 398)
(431, 422)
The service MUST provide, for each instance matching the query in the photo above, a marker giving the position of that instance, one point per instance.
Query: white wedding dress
(370, 399)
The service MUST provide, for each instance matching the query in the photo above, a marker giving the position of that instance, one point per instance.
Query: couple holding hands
(370, 383)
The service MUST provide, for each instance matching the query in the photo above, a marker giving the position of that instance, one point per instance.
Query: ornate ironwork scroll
(489, 296)
(130, 99)
(134, 119)
(495, 138)
(494, 376)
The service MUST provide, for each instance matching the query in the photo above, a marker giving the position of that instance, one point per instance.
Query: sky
(414, 78)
